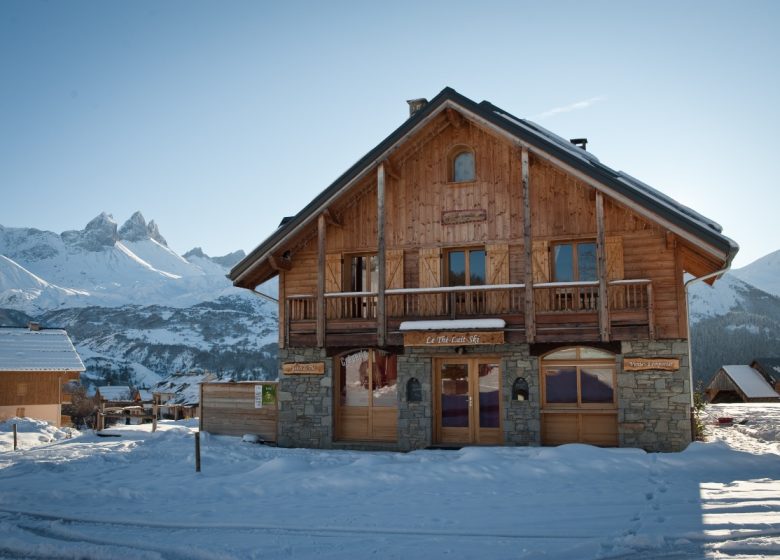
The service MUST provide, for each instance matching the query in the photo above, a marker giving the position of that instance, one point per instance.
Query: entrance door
(468, 401)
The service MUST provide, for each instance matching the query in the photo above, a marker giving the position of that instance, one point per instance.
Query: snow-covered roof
(454, 324)
(42, 350)
(750, 382)
(115, 393)
(144, 394)
(185, 387)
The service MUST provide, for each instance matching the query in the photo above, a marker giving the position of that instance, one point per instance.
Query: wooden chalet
(741, 383)
(36, 366)
(476, 279)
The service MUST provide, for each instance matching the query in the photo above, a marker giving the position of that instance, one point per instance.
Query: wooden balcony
(563, 311)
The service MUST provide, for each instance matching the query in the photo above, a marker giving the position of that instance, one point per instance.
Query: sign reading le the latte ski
(303, 368)
(642, 364)
(444, 338)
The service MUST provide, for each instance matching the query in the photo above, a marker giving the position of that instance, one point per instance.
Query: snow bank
(31, 433)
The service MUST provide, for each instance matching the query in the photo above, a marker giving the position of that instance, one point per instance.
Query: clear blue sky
(217, 119)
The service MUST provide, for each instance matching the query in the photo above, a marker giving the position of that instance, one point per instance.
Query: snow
(762, 273)
(750, 382)
(452, 324)
(115, 393)
(22, 349)
(91, 497)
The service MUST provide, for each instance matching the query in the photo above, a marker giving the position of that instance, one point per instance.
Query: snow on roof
(115, 393)
(750, 382)
(144, 394)
(43, 350)
(185, 387)
(452, 324)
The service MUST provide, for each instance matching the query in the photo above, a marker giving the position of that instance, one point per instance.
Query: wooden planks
(229, 409)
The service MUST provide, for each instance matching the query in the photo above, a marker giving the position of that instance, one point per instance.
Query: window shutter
(394, 269)
(614, 255)
(541, 261)
(394, 278)
(333, 283)
(497, 273)
(430, 277)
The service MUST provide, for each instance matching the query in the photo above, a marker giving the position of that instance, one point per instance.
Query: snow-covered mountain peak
(136, 229)
(195, 252)
(763, 273)
(226, 261)
(99, 233)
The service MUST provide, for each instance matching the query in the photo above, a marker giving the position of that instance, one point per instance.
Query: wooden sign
(449, 338)
(303, 368)
(454, 217)
(643, 364)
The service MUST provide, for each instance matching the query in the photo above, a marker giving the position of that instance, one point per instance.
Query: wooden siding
(33, 387)
(229, 409)
(418, 193)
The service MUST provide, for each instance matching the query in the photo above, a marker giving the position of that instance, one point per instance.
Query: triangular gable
(646, 201)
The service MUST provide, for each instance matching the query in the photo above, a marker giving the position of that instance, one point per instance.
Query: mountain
(136, 310)
(737, 319)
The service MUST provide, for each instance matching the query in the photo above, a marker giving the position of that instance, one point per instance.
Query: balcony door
(468, 401)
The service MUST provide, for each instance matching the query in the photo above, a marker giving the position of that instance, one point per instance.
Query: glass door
(468, 398)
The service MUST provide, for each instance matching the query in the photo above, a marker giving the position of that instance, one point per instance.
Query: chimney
(415, 105)
(580, 142)
(34, 326)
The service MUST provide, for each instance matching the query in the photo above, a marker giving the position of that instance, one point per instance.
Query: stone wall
(522, 423)
(415, 419)
(305, 402)
(655, 406)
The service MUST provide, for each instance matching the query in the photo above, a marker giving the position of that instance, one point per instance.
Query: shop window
(578, 377)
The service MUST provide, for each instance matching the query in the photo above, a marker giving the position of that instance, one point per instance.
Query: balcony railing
(628, 300)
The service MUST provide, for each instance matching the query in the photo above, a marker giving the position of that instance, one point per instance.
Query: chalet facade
(35, 367)
(476, 279)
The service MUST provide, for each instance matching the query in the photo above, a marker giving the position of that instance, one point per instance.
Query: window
(579, 378)
(574, 262)
(466, 267)
(363, 273)
(462, 165)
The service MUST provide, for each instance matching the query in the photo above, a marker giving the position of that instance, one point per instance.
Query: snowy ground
(137, 497)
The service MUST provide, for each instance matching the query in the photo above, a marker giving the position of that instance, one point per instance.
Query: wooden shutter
(541, 261)
(394, 278)
(540, 257)
(497, 273)
(614, 256)
(333, 283)
(430, 277)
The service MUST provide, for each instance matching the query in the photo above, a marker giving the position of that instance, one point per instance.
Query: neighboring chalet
(740, 383)
(178, 395)
(770, 369)
(35, 365)
(476, 279)
(114, 396)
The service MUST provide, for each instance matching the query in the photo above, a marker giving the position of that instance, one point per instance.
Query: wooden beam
(454, 118)
(604, 326)
(381, 320)
(331, 218)
(321, 280)
(530, 313)
(390, 169)
(279, 264)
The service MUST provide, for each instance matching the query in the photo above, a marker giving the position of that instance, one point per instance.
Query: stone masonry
(655, 406)
(415, 419)
(305, 402)
(522, 424)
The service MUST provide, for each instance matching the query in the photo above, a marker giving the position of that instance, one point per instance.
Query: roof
(620, 185)
(769, 367)
(144, 395)
(750, 382)
(185, 387)
(117, 393)
(22, 349)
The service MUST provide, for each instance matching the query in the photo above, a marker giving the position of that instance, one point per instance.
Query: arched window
(578, 377)
(463, 166)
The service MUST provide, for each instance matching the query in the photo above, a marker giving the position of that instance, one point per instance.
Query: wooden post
(529, 309)
(650, 312)
(601, 243)
(197, 451)
(321, 281)
(380, 256)
(155, 411)
(15, 446)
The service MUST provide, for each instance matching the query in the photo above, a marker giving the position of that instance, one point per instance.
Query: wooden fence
(235, 409)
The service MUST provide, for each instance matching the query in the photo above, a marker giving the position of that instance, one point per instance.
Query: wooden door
(468, 401)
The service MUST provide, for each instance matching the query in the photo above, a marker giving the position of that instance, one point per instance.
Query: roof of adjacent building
(750, 382)
(116, 393)
(525, 131)
(22, 349)
(769, 367)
